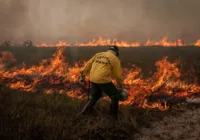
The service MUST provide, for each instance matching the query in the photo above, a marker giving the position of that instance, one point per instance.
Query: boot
(87, 108)
(114, 111)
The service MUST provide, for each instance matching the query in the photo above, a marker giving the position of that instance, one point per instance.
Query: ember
(54, 75)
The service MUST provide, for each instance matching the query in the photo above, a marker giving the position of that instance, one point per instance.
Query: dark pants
(110, 90)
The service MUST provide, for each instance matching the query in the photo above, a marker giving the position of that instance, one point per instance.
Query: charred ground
(26, 115)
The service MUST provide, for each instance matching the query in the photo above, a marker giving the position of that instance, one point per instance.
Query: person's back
(103, 67)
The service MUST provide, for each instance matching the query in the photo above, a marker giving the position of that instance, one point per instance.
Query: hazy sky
(82, 20)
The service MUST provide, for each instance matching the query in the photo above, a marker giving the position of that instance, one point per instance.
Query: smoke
(80, 21)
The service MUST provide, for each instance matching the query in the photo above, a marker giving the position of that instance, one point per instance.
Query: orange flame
(55, 75)
(108, 42)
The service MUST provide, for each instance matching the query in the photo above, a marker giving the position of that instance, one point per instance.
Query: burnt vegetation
(26, 115)
(37, 115)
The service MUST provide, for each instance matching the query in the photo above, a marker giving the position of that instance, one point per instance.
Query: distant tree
(28, 43)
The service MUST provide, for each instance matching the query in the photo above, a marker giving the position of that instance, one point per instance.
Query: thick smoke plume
(82, 20)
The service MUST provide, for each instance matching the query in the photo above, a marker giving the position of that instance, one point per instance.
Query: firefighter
(101, 67)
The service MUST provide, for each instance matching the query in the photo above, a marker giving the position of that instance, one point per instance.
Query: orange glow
(54, 75)
(108, 42)
(197, 43)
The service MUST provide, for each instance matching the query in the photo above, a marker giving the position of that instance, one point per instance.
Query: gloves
(124, 94)
(82, 80)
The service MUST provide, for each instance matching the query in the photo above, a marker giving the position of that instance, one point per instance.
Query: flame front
(55, 75)
(108, 42)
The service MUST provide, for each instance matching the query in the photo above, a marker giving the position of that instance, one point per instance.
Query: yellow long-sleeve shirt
(102, 66)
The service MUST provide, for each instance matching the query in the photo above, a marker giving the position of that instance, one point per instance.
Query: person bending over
(101, 67)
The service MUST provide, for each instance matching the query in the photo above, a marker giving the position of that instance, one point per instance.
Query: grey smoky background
(82, 20)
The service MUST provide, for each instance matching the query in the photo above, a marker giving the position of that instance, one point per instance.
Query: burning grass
(107, 42)
(42, 101)
(55, 75)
